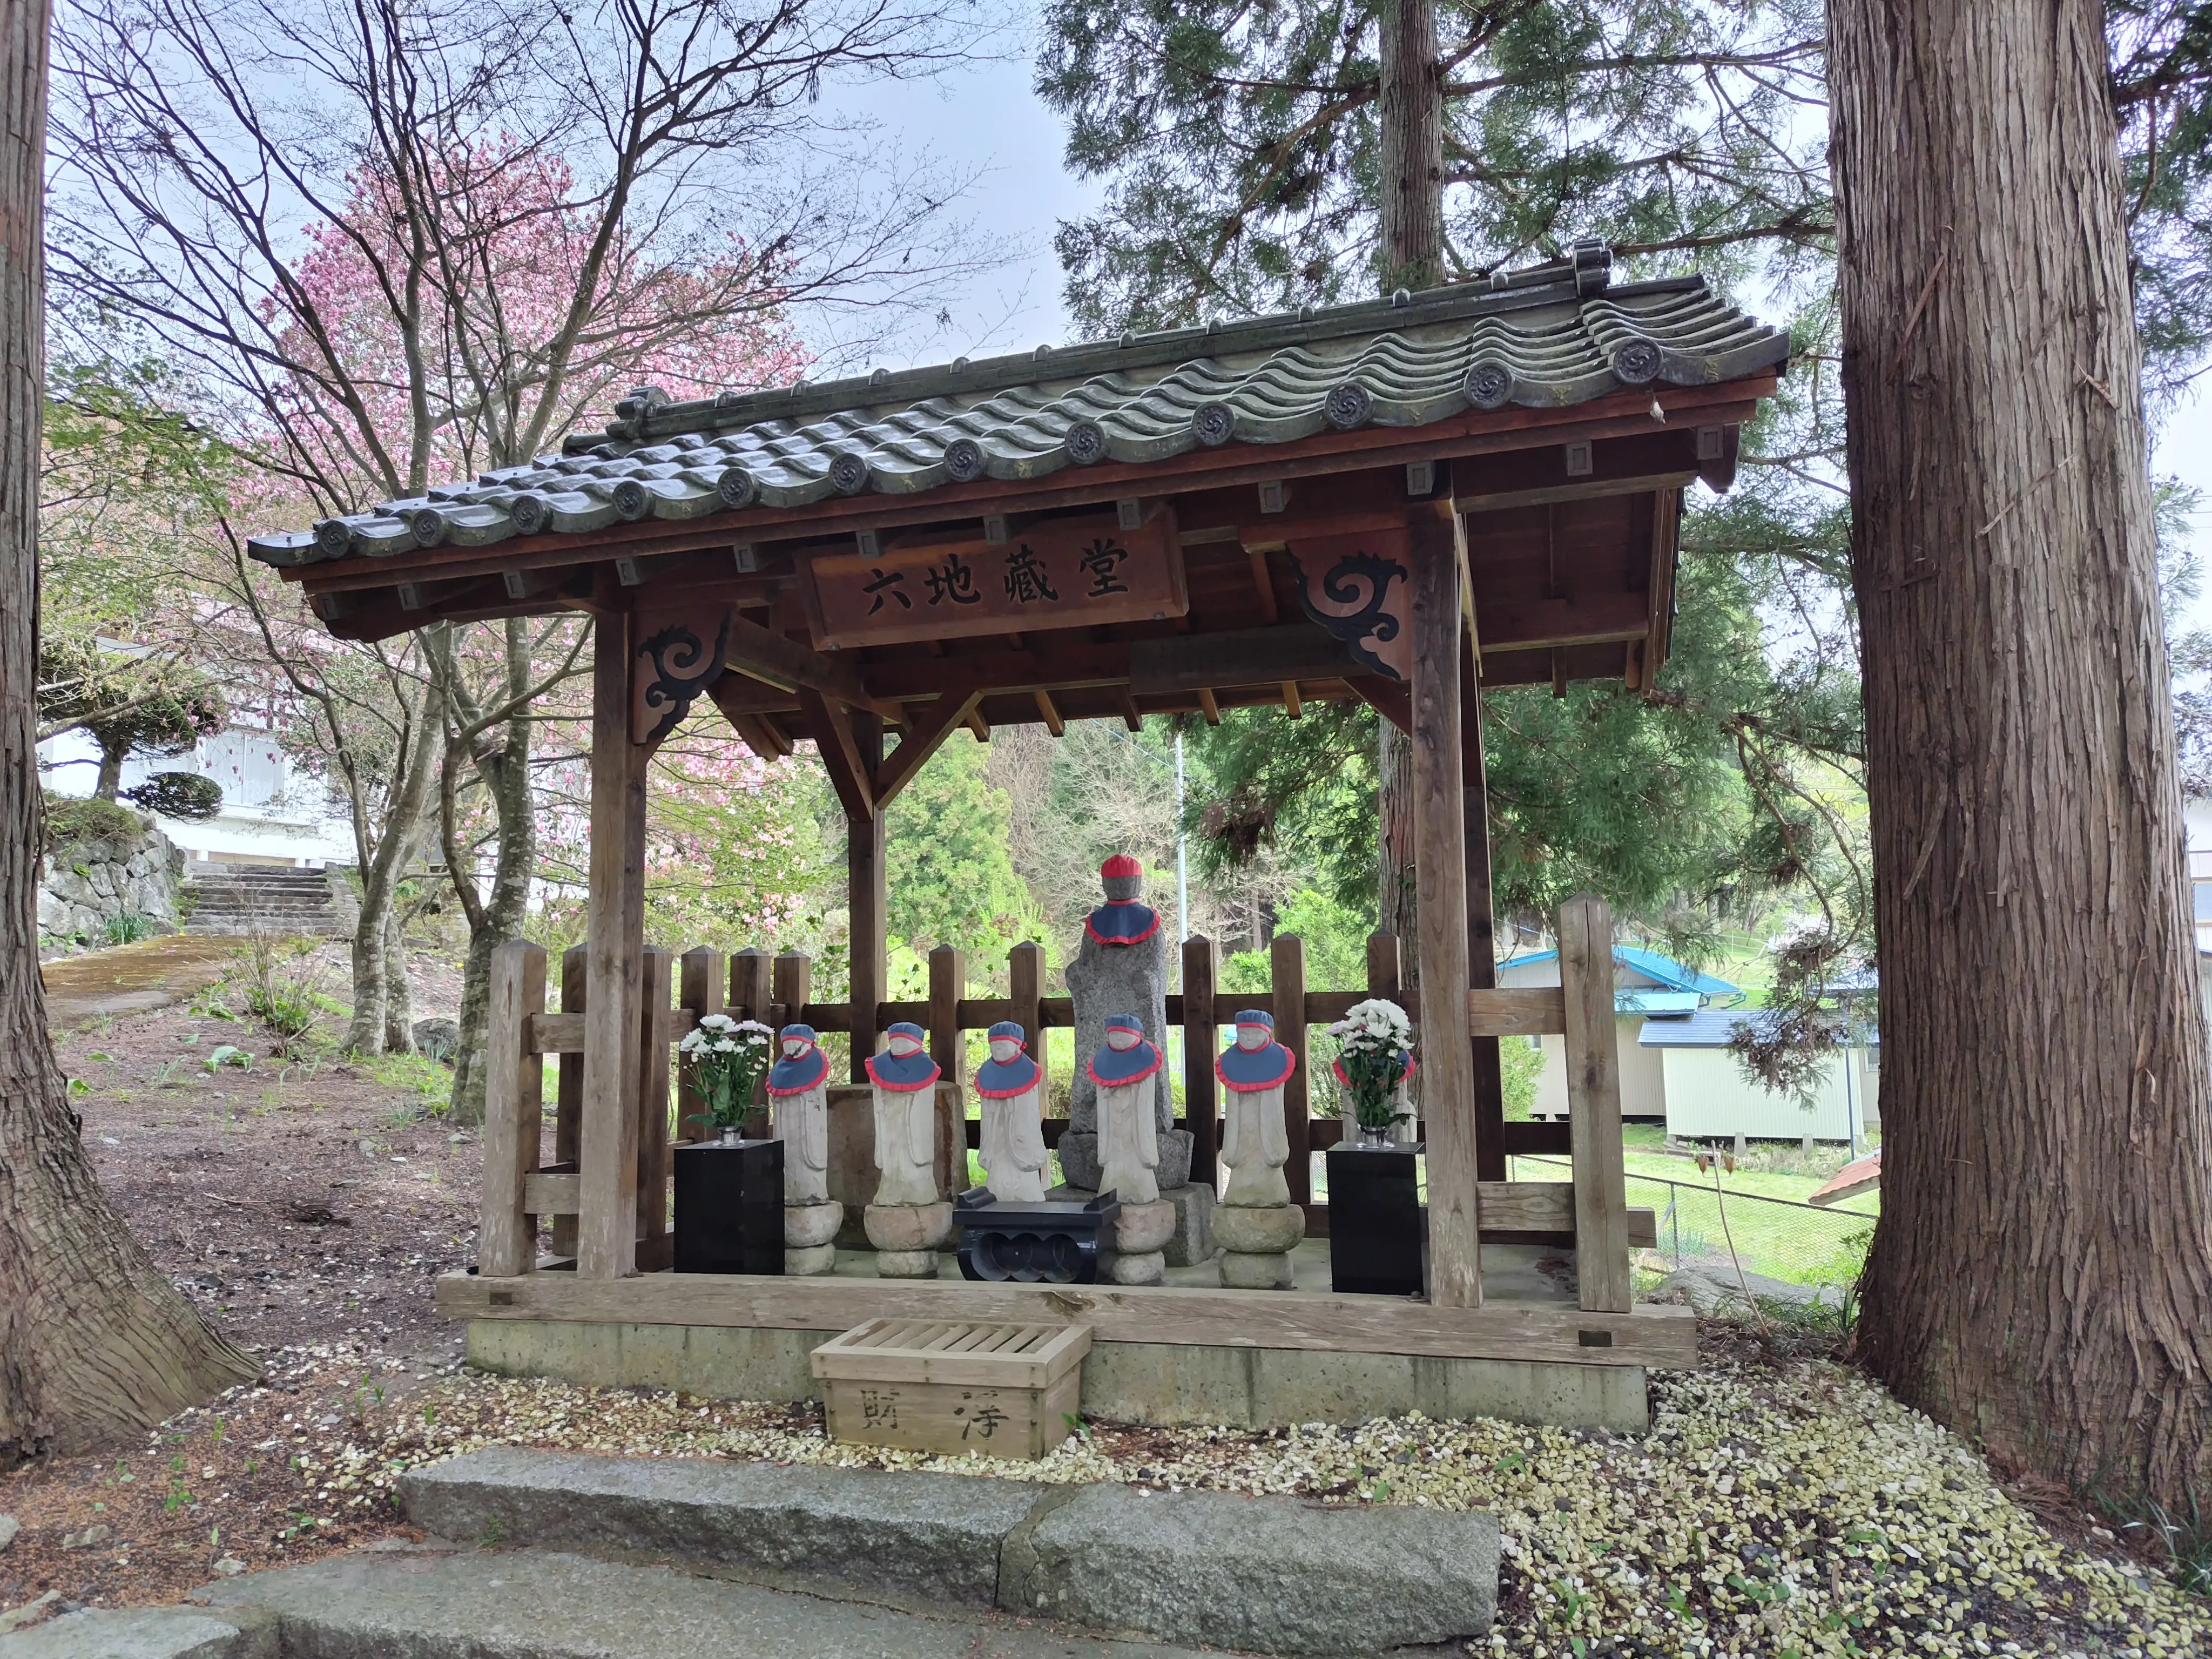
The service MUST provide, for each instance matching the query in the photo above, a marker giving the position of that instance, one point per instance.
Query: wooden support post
(751, 976)
(1287, 964)
(699, 993)
(657, 973)
(606, 1241)
(1202, 1108)
(1440, 900)
(1025, 989)
(1481, 930)
(866, 899)
(569, 1109)
(792, 985)
(1594, 1107)
(514, 1089)
(948, 979)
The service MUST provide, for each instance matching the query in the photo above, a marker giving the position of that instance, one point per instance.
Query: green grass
(431, 1084)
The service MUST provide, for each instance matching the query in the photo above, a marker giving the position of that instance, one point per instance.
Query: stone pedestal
(1256, 1240)
(1191, 1244)
(906, 1237)
(729, 1207)
(1139, 1233)
(810, 1235)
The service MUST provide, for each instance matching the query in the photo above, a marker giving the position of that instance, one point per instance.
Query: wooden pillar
(514, 1089)
(606, 1241)
(1025, 988)
(791, 986)
(655, 983)
(1602, 1268)
(752, 974)
(698, 993)
(1440, 900)
(866, 899)
(948, 977)
(1202, 1108)
(1481, 929)
(1287, 966)
(569, 1108)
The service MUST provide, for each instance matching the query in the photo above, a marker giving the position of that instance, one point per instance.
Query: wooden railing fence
(1591, 1211)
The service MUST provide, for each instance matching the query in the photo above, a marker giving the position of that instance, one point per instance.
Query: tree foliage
(950, 874)
(184, 796)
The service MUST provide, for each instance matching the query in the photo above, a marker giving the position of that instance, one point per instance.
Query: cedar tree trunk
(1412, 255)
(94, 1343)
(2040, 1277)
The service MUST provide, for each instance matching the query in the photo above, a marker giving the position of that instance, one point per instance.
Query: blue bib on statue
(1246, 1069)
(796, 1074)
(1125, 923)
(902, 1074)
(1118, 1067)
(995, 1081)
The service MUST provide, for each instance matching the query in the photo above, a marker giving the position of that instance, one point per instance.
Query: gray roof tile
(1548, 339)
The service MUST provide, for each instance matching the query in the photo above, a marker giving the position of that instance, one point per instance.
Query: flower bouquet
(729, 1059)
(1374, 1056)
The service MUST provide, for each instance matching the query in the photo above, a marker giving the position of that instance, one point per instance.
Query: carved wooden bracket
(1359, 588)
(673, 664)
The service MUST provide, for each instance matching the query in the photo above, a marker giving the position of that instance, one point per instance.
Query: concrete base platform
(1167, 1384)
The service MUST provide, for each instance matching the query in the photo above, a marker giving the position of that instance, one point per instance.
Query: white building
(272, 813)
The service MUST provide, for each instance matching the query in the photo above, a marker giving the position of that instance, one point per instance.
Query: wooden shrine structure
(1404, 501)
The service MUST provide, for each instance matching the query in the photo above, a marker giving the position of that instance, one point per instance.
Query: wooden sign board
(1359, 588)
(1061, 573)
(954, 1386)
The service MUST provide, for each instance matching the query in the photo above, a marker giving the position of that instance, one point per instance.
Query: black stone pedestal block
(729, 1207)
(1378, 1230)
(1054, 1242)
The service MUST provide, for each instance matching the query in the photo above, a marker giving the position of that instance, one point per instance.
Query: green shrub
(70, 819)
(130, 928)
(183, 795)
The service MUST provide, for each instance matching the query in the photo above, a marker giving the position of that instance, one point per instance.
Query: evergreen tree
(951, 880)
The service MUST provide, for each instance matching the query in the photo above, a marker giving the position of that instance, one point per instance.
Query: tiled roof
(1549, 338)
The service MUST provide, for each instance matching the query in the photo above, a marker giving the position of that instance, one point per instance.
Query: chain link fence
(1776, 1238)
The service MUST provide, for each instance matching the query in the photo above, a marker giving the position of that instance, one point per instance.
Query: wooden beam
(760, 731)
(1538, 624)
(1440, 897)
(655, 977)
(769, 658)
(948, 978)
(1292, 706)
(515, 1090)
(1295, 1320)
(1248, 656)
(793, 980)
(1602, 1268)
(1130, 717)
(606, 1241)
(1208, 705)
(1024, 983)
(1263, 581)
(1386, 697)
(850, 773)
(1202, 1109)
(1489, 1097)
(980, 727)
(926, 729)
(698, 993)
(866, 900)
(568, 1086)
(1286, 965)
(1049, 714)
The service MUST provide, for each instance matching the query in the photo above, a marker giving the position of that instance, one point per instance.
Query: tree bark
(1411, 255)
(498, 918)
(95, 1342)
(111, 772)
(380, 885)
(2040, 1277)
(1411, 109)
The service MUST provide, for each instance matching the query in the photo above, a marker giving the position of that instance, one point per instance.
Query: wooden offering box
(954, 1386)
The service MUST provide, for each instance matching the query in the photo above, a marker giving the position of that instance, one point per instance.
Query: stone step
(534, 1604)
(1263, 1574)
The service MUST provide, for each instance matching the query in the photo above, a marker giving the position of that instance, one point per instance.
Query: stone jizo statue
(908, 1220)
(1121, 968)
(1257, 1226)
(799, 1095)
(1122, 1072)
(1009, 1084)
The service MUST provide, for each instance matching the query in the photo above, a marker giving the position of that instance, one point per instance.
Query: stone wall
(85, 883)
